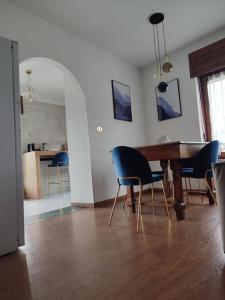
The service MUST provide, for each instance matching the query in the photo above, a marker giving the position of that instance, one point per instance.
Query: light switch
(99, 129)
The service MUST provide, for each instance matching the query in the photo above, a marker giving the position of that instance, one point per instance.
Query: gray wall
(45, 122)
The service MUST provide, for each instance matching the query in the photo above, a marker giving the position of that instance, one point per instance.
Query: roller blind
(209, 59)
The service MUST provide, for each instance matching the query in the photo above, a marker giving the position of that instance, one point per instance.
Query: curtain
(216, 94)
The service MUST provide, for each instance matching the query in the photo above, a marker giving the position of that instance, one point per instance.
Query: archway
(77, 134)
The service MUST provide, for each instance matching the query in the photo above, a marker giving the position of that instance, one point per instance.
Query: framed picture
(168, 103)
(121, 101)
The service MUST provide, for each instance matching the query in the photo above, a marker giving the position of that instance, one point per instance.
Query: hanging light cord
(159, 55)
(156, 56)
(164, 40)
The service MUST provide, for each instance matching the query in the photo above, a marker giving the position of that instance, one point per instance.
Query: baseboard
(107, 201)
(84, 205)
(120, 198)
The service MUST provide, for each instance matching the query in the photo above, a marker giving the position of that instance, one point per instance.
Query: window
(208, 65)
(216, 99)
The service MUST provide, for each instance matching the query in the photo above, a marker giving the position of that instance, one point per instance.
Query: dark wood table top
(171, 150)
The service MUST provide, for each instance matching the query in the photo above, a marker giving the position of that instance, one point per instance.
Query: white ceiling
(47, 81)
(121, 26)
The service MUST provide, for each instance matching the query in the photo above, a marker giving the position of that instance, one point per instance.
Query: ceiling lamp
(166, 67)
(29, 94)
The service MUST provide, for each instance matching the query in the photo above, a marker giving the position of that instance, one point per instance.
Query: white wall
(94, 69)
(78, 145)
(187, 127)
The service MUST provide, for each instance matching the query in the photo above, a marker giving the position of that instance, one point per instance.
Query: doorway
(53, 121)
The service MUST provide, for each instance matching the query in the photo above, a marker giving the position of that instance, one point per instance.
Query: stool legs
(114, 204)
(139, 207)
(48, 181)
(153, 208)
(167, 209)
(210, 188)
(125, 200)
(59, 180)
(185, 180)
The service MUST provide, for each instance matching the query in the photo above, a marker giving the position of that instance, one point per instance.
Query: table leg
(211, 200)
(164, 165)
(130, 198)
(179, 205)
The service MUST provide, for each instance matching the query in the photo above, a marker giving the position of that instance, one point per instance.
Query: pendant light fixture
(156, 19)
(29, 94)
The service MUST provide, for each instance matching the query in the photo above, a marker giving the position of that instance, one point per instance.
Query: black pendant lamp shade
(156, 18)
(162, 87)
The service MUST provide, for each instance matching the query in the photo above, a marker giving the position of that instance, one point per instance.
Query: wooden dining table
(170, 155)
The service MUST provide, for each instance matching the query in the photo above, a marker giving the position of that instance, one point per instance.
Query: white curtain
(216, 92)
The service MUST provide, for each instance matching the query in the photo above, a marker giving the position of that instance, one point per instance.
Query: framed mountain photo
(121, 101)
(168, 103)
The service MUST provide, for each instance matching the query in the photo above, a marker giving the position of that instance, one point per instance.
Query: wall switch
(99, 129)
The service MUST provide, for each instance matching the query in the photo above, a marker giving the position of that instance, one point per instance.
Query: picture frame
(169, 103)
(121, 101)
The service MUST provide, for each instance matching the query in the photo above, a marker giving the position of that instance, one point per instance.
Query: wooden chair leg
(125, 200)
(59, 180)
(185, 180)
(139, 207)
(153, 208)
(189, 180)
(173, 211)
(114, 204)
(167, 209)
(48, 181)
(210, 190)
(68, 176)
(199, 187)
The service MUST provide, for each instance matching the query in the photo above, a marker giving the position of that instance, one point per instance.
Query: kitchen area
(44, 143)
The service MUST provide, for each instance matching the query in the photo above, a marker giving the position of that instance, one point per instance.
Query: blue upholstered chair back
(60, 159)
(206, 156)
(129, 162)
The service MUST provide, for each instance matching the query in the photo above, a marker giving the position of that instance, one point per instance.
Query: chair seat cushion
(158, 172)
(151, 179)
(190, 173)
(59, 165)
(187, 169)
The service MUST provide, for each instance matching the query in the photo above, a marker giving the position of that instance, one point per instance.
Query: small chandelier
(29, 94)
(166, 67)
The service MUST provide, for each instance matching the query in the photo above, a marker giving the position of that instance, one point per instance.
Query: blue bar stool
(60, 160)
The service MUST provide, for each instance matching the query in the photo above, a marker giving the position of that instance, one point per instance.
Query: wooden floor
(79, 257)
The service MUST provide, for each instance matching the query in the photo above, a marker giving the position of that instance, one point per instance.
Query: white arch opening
(77, 134)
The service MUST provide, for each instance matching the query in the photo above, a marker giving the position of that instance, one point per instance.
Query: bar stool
(60, 160)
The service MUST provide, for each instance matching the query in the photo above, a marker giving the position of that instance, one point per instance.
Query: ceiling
(121, 26)
(47, 81)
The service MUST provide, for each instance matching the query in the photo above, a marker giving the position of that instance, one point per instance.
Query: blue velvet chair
(132, 169)
(200, 167)
(60, 160)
